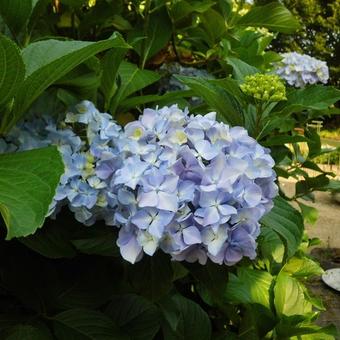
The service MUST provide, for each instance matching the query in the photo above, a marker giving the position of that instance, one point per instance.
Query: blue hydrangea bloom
(188, 185)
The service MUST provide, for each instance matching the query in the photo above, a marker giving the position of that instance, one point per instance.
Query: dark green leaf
(28, 332)
(217, 98)
(85, 324)
(16, 13)
(135, 316)
(241, 68)
(192, 321)
(131, 79)
(310, 184)
(28, 181)
(152, 277)
(157, 32)
(286, 222)
(97, 242)
(167, 98)
(12, 69)
(213, 278)
(110, 65)
(315, 97)
(50, 241)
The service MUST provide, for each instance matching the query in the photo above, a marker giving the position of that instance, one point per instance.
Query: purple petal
(192, 235)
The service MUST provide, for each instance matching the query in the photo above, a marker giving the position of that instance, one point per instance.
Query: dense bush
(224, 250)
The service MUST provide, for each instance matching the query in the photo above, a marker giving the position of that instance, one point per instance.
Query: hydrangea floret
(264, 87)
(301, 69)
(188, 185)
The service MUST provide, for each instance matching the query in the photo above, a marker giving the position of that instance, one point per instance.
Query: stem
(259, 112)
(146, 24)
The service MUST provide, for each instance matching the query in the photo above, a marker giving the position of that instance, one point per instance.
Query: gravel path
(327, 227)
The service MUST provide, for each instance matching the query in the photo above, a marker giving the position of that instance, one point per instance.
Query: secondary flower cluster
(188, 185)
(264, 87)
(301, 69)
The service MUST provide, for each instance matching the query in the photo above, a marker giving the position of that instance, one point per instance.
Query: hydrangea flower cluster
(188, 185)
(264, 87)
(301, 69)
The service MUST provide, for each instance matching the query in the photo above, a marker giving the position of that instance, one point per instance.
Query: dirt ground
(327, 229)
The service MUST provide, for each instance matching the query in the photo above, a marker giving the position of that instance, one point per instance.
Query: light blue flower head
(301, 69)
(186, 185)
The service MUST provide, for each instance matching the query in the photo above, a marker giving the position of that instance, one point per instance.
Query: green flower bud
(264, 87)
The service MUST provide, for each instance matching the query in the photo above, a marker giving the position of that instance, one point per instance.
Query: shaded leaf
(85, 324)
(217, 98)
(135, 316)
(16, 13)
(12, 69)
(192, 323)
(158, 271)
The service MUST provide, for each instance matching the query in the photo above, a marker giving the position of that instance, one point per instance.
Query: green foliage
(272, 16)
(13, 70)
(27, 186)
(69, 282)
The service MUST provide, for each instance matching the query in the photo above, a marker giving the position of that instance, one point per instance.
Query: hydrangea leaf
(159, 272)
(217, 98)
(85, 324)
(289, 296)
(110, 64)
(302, 267)
(48, 60)
(22, 331)
(271, 245)
(241, 68)
(52, 241)
(12, 69)
(155, 35)
(135, 315)
(28, 181)
(16, 13)
(310, 214)
(287, 223)
(314, 97)
(132, 79)
(249, 286)
(190, 321)
(273, 16)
